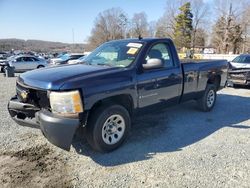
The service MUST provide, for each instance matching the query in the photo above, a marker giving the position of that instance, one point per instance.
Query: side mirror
(153, 63)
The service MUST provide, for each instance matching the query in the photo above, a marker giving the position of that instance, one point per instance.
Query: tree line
(194, 24)
(38, 46)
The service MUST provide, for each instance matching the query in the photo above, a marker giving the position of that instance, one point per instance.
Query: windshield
(241, 59)
(114, 54)
(65, 57)
(238, 59)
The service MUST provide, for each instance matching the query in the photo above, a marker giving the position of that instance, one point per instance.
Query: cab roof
(146, 40)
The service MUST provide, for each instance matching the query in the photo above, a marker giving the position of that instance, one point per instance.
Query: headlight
(66, 103)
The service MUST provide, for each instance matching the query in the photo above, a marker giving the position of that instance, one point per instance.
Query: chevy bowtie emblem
(24, 95)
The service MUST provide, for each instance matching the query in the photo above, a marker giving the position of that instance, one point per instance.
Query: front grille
(238, 75)
(32, 96)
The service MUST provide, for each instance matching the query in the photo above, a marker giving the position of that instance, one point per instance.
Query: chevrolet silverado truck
(101, 94)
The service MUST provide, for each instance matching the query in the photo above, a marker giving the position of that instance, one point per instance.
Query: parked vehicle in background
(239, 70)
(23, 63)
(75, 61)
(3, 61)
(3, 55)
(60, 54)
(3, 64)
(80, 60)
(56, 58)
(115, 81)
(65, 58)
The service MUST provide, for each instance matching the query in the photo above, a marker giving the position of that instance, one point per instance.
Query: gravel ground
(177, 147)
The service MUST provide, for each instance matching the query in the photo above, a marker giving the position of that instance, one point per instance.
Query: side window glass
(237, 59)
(161, 51)
(247, 59)
(19, 59)
(241, 60)
(29, 59)
(24, 59)
(33, 59)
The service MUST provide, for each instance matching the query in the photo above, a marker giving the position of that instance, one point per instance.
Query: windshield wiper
(105, 64)
(84, 62)
(101, 64)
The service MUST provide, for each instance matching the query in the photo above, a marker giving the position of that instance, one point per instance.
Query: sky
(60, 20)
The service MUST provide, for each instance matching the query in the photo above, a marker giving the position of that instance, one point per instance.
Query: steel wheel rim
(113, 129)
(210, 98)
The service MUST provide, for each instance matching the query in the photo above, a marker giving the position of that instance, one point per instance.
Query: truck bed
(199, 60)
(195, 74)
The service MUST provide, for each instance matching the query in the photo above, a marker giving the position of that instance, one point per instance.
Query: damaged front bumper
(58, 130)
(240, 77)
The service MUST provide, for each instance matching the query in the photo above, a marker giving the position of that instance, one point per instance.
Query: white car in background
(64, 59)
(75, 61)
(23, 63)
(79, 60)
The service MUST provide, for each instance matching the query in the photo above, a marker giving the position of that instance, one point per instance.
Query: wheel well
(123, 100)
(215, 80)
(40, 66)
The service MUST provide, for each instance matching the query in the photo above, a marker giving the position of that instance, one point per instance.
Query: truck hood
(53, 78)
(240, 65)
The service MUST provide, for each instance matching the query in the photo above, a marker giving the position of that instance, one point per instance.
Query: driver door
(162, 84)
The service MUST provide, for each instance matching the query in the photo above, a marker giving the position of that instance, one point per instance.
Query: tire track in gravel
(37, 166)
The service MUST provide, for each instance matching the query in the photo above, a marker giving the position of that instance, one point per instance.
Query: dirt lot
(177, 147)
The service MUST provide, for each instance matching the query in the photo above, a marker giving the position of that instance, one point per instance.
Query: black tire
(96, 127)
(2, 69)
(207, 101)
(40, 66)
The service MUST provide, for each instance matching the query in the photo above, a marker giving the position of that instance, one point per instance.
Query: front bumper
(58, 130)
(238, 82)
(239, 77)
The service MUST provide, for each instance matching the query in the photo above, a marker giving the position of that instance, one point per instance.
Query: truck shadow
(172, 130)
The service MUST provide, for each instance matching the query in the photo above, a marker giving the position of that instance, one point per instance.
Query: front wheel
(108, 127)
(207, 102)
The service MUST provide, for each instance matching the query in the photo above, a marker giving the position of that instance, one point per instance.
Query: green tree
(183, 27)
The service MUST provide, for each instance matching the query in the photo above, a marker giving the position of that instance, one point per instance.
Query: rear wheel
(2, 69)
(40, 66)
(108, 127)
(207, 102)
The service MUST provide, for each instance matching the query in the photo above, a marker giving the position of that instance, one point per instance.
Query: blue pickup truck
(101, 94)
